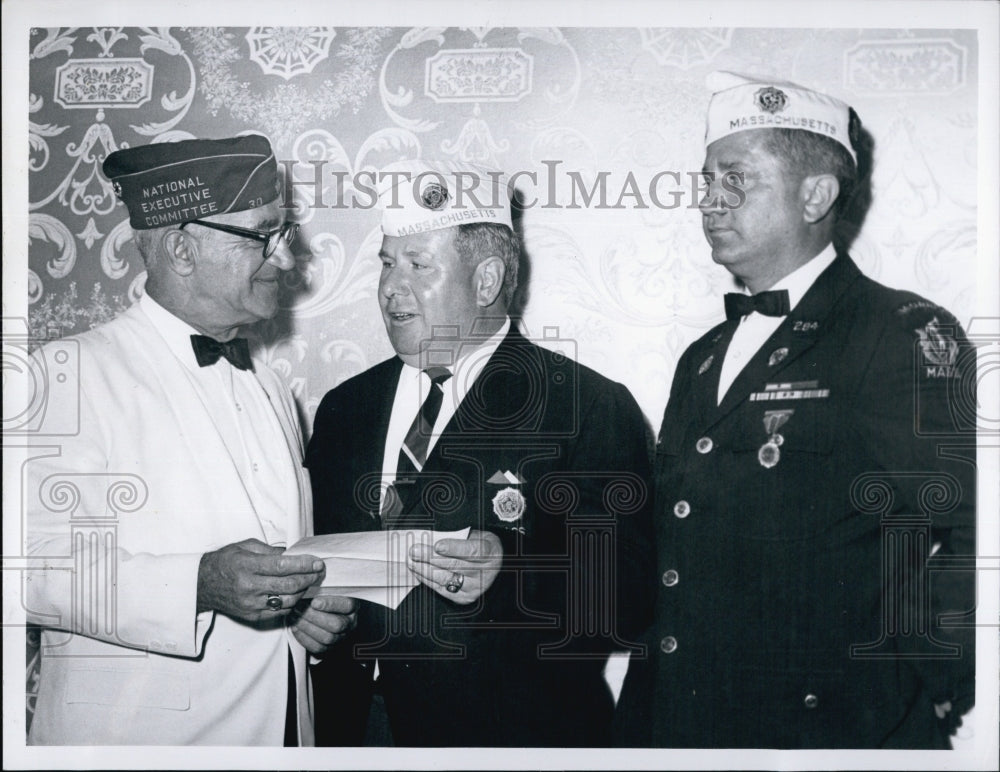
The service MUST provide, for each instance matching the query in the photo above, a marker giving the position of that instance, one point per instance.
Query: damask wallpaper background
(624, 284)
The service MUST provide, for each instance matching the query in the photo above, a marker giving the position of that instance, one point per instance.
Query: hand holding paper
(319, 622)
(470, 564)
(370, 565)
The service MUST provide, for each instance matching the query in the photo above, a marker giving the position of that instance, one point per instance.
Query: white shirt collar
(802, 278)
(174, 330)
(468, 366)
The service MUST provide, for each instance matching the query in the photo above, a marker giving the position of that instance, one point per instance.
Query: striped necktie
(413, 452)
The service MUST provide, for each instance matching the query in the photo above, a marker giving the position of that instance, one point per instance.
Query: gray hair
(806, 153)
(475, 241)
(148, 242)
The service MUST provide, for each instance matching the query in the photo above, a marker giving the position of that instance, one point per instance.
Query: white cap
(418, 196)
(742, 102)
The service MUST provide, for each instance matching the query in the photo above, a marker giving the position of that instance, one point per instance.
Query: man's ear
(180, 252)
(488, 279)
(819, 194)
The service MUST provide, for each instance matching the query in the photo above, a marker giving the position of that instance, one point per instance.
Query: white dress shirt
(413, 388)
(754, 328)
(242, 412)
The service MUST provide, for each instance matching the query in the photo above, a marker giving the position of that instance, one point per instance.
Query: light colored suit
(119, 515)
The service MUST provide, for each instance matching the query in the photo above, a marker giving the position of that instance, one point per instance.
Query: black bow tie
(208, 350)
(772, 303)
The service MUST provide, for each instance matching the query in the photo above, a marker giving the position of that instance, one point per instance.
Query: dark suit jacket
(523, 666)
(805, 612)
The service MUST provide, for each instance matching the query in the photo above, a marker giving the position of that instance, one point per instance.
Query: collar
(174, 330)
(802, 278)
(467, 368)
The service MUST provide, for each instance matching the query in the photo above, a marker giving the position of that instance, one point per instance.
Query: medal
(769, 454)
(777, 356)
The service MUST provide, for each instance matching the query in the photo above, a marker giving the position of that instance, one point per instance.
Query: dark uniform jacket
(798, 605)
(523, 666)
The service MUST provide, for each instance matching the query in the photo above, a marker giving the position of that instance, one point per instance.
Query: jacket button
(682, 509)
(670, 577)
(704, 445)
(668, 645)
(811, 701)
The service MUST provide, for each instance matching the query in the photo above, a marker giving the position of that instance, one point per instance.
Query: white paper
(369, 565)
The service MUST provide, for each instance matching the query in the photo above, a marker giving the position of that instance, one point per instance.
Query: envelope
(369, 565)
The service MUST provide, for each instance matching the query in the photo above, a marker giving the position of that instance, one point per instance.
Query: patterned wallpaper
(624, 284)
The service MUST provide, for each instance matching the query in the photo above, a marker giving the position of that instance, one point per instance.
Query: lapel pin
(777, 356)
(505, 478)
(706, 364)
(509, 505)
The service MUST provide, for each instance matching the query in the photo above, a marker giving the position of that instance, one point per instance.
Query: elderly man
(814, 468)
(471, 425)
(157, 530)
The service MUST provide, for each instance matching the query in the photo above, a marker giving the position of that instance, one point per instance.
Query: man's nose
(391, 282)
(711, 199)
(282, 257)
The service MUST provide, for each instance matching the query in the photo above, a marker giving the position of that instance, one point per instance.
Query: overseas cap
(742, 102)
(173, 182)
(418, 196)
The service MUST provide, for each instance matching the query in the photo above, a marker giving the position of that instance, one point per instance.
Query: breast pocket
(789, 479)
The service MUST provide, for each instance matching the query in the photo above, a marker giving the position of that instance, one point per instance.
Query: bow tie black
(208, 350)
(771, 303)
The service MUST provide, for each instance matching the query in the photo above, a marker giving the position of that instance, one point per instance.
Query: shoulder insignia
(938, 347)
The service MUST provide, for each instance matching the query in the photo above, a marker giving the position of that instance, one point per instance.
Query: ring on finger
(274, 602)
(455, 583)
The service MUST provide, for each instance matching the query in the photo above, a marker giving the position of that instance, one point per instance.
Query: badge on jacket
(509, 503)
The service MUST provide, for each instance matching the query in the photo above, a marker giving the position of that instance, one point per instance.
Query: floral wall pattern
(624, 286)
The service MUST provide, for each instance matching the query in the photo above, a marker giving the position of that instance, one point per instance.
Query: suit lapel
(796, 335)
(709, 369)
(201, 434)
(288, 423)
(472, 418)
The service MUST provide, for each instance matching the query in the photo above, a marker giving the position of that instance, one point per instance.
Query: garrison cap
(170, 183)
(743, 102)
(418, 196)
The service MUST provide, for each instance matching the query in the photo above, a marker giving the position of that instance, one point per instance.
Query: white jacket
(118, 516)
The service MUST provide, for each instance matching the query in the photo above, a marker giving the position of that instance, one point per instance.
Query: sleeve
(919, 399)
(81, 577)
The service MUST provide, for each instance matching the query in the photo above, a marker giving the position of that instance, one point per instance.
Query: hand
(321, 621)
(476, 560)
(237, 579)
(942, 709)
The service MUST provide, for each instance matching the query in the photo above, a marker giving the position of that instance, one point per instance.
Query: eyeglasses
(271, 238)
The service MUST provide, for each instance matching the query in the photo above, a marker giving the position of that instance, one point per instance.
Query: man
(813, 455)
(504, 641)
(157, 529)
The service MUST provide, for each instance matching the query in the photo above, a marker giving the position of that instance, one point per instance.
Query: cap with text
(743, 102)
(419, 196)
(171, 183)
